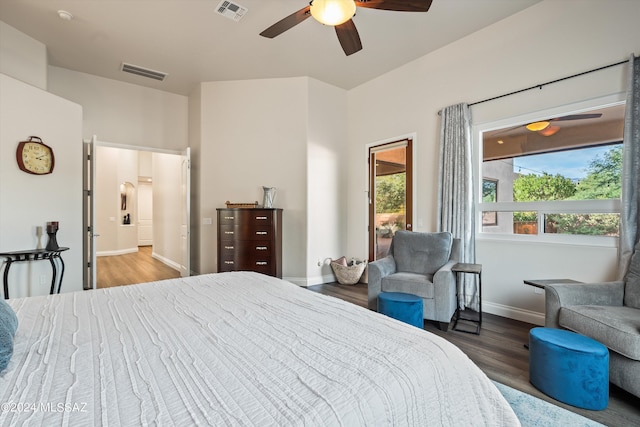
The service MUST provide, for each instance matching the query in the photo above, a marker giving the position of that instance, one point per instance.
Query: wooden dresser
(250, 239)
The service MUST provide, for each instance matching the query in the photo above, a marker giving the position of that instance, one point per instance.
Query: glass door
(390, 189)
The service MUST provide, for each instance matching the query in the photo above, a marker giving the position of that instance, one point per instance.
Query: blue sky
(571, 164)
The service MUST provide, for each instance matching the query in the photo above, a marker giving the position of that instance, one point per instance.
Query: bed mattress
(237, 349)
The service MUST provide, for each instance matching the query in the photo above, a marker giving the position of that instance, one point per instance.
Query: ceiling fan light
(537, 126)
(333, 12)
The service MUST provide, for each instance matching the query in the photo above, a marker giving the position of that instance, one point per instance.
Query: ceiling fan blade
(396, 5)
(578, 117)
(286, 23)
(349, 37)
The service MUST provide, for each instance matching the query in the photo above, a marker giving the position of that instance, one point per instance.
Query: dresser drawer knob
(261, 248)
(261, 262)
(261, 233)
(228, 247)
(229, 262)
(261, 217)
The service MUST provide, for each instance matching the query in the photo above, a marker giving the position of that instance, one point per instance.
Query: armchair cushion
(421, 253)
(409, 283)
(614, 326)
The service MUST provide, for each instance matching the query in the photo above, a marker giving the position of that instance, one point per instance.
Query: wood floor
(499, 351)
(138, 267)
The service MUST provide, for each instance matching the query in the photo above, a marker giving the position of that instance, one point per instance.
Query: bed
(239, 349)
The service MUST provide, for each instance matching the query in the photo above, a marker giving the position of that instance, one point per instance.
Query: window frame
(546, 207)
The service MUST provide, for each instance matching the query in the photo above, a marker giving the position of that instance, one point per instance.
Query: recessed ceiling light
(500, 141)
(63, 14)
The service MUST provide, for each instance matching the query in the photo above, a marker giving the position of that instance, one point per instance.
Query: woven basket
(348, 274)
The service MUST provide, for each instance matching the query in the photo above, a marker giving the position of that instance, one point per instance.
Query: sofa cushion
(632, 282)
(409, 283)
(421, 253)
(616, 327)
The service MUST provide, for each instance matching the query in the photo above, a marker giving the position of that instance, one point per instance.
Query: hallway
(138, 267)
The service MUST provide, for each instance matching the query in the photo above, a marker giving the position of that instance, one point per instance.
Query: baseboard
(118, 252)
(310, 281)
(513, 313)
(166, 261)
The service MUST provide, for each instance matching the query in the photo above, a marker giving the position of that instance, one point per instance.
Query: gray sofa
(607, 312)
(419, 264)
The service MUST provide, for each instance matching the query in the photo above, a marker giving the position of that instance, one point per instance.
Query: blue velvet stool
(569, 367)
(404, 307)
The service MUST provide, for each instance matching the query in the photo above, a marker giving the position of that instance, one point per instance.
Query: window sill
(547, 239)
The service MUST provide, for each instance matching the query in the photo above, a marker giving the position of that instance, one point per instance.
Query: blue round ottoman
(404, 307)
(569, 367)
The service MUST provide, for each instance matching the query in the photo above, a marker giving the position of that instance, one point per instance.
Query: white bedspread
(233, 349)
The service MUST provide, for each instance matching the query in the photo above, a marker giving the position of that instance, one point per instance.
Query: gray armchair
(419, 264)
(607, 312)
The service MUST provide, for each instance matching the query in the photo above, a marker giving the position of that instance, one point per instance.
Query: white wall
(327, 160)
(195, 145)
(544, 42)
(123, 113)
(254, 134)
(22, 57)
(28, 201)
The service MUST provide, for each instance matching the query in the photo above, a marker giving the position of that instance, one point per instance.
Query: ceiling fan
(338, 13)
(547, 127)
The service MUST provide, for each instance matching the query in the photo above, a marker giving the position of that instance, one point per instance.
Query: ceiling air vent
(144, 72)
(231, 10)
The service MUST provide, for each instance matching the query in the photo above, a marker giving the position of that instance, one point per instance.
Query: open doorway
(140, 205)
(390, 189)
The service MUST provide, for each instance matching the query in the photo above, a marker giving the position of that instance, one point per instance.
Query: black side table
(54, 256)
(462, 267)
(541, 283)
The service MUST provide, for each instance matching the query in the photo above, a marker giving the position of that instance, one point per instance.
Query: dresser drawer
(246, 248)
(246, 232)
(260, 264)
(246, 216)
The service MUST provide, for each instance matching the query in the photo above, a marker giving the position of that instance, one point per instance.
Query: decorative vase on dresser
(250, 239)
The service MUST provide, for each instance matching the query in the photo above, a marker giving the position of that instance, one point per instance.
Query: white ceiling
(192, 43)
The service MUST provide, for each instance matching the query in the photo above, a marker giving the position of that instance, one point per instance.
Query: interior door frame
(89, 251)
(411, 173)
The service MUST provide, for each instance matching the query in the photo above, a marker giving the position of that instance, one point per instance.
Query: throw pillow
(341, 261)
(8, 326)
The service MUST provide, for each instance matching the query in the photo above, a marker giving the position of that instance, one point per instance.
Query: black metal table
(462, 267)
(54, 256)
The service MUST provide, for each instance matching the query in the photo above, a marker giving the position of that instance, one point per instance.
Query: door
(390, 194)
(180, 223)
(88, 207)
(185, 227)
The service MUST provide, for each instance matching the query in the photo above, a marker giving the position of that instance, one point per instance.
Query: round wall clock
(35, 157)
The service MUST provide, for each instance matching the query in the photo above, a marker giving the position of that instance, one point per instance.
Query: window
(557, 177)
(489, 195)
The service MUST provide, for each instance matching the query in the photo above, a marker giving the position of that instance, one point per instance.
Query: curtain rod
(539, 86)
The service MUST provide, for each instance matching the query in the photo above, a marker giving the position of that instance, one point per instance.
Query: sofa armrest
(377, 270)
(560, 295)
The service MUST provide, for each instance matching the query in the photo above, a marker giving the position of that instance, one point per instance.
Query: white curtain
(455, 192)
(630, 170)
